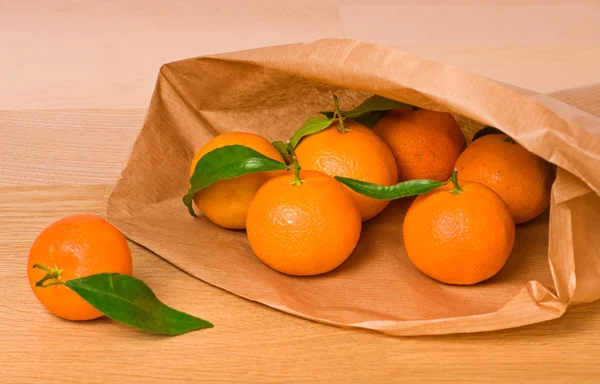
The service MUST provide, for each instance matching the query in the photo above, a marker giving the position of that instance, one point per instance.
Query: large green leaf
(391, 192)
(130, 301)
(311, 126)
(226, 163)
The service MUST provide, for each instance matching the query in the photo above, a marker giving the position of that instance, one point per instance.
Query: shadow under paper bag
(271, 91)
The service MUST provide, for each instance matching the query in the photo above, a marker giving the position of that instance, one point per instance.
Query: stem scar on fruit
(337, 114)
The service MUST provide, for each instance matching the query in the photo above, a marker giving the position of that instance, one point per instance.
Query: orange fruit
(357, 154)
(425, 143)
(305, 229)
(522, 179)
(79, 246)
(226, 202)
(459, 238)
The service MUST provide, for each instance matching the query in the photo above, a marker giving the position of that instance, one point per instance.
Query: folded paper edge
(250, 57)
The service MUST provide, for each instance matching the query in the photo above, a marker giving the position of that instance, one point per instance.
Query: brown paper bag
(272, 91)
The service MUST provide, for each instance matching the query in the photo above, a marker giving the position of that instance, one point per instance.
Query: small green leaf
(373, 104)
(312, 125)
(487, 130)
(391, 192)
(370, 119)
(128, 300)
(226, 163)
(283, 149)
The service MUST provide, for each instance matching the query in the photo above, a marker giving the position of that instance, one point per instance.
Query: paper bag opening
(271, 92)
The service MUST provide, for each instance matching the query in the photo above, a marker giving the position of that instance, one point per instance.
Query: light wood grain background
(75, 79)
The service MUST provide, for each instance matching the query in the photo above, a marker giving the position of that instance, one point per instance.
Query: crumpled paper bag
(272, 91)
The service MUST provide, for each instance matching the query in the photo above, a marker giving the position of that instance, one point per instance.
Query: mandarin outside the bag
(73, 247)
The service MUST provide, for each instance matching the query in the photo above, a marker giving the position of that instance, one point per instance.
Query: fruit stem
(296, 166)
(454, 180)
(337, 114)
(510, 140)
(53, 274)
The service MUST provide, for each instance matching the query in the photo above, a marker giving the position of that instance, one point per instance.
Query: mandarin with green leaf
(73, 247)
(226, 202)
(351, 151)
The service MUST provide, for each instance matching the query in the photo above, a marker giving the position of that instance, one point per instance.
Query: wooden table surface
(75, 79)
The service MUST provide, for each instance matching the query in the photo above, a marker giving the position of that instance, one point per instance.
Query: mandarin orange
(425, 143)
(522, 179)
(305, 229)
(357, 154)
(459, 235)
(226, 202)
(73, 247)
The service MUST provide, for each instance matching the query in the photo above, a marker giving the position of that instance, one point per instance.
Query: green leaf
(487, 130)
(130, 301)
(391, 192)
(283, 149)
(370, 106)
(311, 126)
(370, 119)
(226, 163)
(375, 103)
